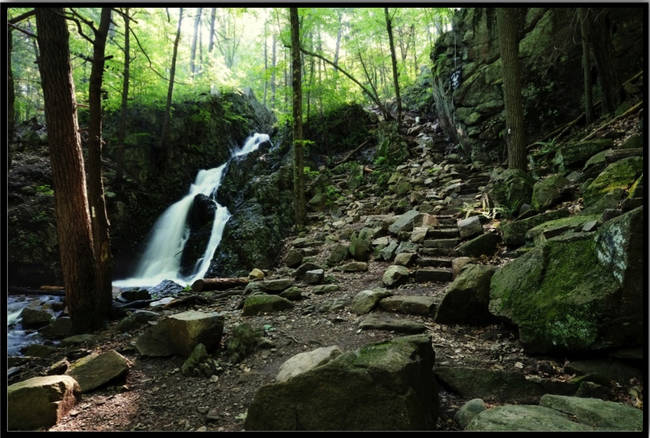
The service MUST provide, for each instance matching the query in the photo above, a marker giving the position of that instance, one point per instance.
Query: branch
(631, 110)
(22, 30)
(21, 17)
(149, 59)
(374, 98)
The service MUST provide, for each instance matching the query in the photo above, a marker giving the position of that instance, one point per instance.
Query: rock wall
(467, 61)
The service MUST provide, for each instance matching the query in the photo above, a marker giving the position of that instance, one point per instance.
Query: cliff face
(467, 66)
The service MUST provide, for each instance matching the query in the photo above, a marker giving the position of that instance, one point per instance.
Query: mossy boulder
(511, 189)
(466, 299)
(574, 155)
(600, 414)
(485, 244)
(581, 293)
(263, 303)
(548, 191)
(619, 175)
(514, 233)
(384, 386)
(545, 230)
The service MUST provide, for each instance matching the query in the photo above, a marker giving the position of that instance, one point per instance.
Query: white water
(17, 336)
(162, 257)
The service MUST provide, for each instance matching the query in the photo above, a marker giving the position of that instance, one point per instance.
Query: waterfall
(162, 257)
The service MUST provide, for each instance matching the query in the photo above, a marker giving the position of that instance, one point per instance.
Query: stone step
(443, 233)
(437, 252)
(440, 243)
(444, 262)
(409, 304)
(426, 275)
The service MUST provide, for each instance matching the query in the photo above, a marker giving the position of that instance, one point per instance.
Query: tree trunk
(197, 20)
(586, 62)
(603, 55)
(266, 63)
(96, 200)
(68, 174)
(163, 149)
(273, 62)
(298, 161)
(121, 133)
(11, 94)
(389, 28)
(213, 16)
(508, 25)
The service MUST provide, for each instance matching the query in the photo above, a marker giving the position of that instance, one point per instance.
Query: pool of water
(17, 336)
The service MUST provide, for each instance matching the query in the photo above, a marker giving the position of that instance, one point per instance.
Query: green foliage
(392, 148)
(45, 189)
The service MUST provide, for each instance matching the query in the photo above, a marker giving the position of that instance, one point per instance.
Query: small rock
(468, 411)
(365, 301)
(256, 274)
(470, 227)
(394, 275)
(314, 277)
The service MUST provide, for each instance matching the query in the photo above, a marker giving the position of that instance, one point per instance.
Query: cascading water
(162, 257)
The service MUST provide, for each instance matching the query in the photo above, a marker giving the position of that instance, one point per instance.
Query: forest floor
(155, 396)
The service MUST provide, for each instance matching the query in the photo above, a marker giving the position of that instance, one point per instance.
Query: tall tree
(508, 24)
(164, 150)
(68, 174)
(11, 94)
(97, 202)
(393, 57)
(585, 31)
(197, 22)
(213, 16)
(298, 161)
(121, 133)
(603, 50)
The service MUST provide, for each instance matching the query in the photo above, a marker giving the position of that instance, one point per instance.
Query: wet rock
(96, 370)
(165, 288)
(40, 402)
(35, 318)
(381, 386)
(58, 329)
(306, 361)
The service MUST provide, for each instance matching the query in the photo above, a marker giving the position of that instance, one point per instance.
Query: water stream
(162, 257)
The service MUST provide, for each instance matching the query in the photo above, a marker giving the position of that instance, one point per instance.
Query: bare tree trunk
(266, 62)
(163, 149)
(197, 20)
(68, 174)
(273, 62)
(508, 25)
(339, 34)
(98, 215)
(213, 16)
(11, 94)
(586, 62)
(389, 28)
(121, 133)
(298, 160)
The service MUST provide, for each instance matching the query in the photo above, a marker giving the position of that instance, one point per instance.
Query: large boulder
(40, 402)
(485, 244)
(514, 233)
(394, 275)
(618, 175)
(548, 191)
(365, 301)
(577, 293)
(180, 333)
(263, 303)
(524, 418)
(308, 360)
(511, 189)
(574, 155)
(382, 386)
(601, 414)
(466, 299)
(96, 369)
(35, 318)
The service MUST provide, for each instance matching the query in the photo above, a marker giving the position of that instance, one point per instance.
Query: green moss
(570, 222)
(618, 175)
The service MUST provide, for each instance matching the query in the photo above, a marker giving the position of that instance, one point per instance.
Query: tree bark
(121, 133)
(97, 202)
(197, 20)
(389, 28)
(273, 62)
(163, 149)
(11, 94)
(586, 62)
(266, 63)
(213, 16)
(68, 174)
(298, 159)
(508, 25)
(603, 55)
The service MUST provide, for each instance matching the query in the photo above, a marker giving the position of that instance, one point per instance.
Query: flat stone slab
(258, 304)
(523, 418)
(366, 300)
(276, 285)
(308, 360)
(434, 261)
(426, 275)
(600, 414)
(354, 267)
(409, 304)
(96, 370)
(40, 402)
(440, 243)
(443, 233)
(374, 322)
